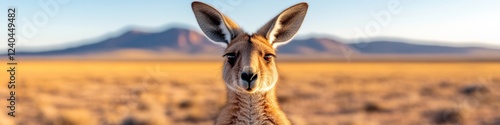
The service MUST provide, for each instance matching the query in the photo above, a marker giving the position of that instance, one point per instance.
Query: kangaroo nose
(249, 78)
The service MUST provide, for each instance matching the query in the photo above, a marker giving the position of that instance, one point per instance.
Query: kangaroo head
(249, 58)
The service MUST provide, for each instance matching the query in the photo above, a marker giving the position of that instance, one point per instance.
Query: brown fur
(259, 107)
(249, 109)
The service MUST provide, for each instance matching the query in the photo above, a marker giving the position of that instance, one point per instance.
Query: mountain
(315, 46)
(390, 47)
(172, 40)
(180, 41)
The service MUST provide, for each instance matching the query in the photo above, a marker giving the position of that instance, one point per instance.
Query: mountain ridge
(177, 40)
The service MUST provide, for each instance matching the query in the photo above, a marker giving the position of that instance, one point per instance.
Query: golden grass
(157, 93)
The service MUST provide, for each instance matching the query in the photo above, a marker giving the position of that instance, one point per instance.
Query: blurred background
(374, 62)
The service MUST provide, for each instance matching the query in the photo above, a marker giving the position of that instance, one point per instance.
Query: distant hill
(391, 47)
(179, 41)
(313, 46)
(172, 40)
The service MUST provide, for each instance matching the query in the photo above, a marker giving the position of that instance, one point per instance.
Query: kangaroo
(249, 71)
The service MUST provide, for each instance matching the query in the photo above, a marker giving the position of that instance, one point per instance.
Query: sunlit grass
(154, 92)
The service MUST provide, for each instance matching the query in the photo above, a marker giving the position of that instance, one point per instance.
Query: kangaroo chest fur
(252, 109)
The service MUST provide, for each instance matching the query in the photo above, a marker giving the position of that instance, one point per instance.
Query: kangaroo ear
(215, 25)
(281, 29)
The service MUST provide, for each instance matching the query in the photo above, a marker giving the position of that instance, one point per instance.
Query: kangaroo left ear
(216, 26)
(281, 29)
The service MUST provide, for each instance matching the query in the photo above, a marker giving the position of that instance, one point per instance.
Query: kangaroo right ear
(282, 28)
(219, 28)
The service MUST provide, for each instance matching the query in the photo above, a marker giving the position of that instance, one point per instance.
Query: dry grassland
(158, 93)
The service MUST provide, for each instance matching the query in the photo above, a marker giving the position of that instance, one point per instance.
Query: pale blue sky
(452, 21)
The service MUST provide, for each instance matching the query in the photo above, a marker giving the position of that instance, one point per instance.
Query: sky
(49, 23)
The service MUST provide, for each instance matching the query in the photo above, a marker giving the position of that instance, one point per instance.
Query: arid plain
(59, 92)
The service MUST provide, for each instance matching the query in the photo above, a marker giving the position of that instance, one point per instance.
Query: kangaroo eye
(268, 57)
(231, 58)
